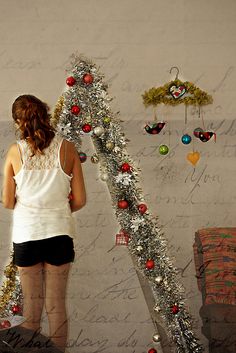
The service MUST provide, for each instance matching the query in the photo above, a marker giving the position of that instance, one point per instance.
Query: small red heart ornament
(177, 91)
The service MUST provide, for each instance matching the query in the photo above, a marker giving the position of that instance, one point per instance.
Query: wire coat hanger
(176, 92)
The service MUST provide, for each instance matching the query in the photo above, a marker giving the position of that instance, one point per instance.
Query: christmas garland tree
(85, 108)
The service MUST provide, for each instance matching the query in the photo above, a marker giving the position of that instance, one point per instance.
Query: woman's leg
(55, 294)
(32, 288)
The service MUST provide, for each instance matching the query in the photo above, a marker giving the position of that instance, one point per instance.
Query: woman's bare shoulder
(13, 149)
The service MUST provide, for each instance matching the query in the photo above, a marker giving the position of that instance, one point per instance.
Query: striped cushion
(215, 261)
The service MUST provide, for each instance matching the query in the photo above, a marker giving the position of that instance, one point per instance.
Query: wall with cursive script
(135, 43)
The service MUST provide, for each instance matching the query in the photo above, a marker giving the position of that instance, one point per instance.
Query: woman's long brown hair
(33, 120)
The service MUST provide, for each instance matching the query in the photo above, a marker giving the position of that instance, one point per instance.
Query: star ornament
(65, 129)
(136, 223)
(116, 149)
(124, 178)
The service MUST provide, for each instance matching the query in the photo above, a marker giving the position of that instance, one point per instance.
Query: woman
(43, 184)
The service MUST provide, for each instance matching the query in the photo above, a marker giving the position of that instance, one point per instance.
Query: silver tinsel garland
(146, 238)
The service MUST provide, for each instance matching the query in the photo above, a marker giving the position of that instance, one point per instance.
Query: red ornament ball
(175, 309)
(125, 168)
(88, 79)
(142, 208)
(5, 324)
(16, 309)
(123, 204)
(150, 264)
(152, 350)
(86, 128)
(70, 81)
(82, 157)
(75, 109)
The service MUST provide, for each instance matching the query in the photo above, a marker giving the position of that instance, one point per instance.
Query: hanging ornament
(88, 79)
(205, 136)
(156, 338)
(16, 309)
(125, 168)
(123, 204)
(142, 208)
(104, 176)
(150, 264)
(86, 128)
(177, 91)
(186, 139)
(95, 158)
(122, 238)
(163, 149)
(70, 81)
(155, 128)
(75, 109)
(193, 157)
(152, 350)
(98, 130)
(158, 280)
(110, 145)
(175, 309)
(107, 120)
(82, 157)
(197, 131)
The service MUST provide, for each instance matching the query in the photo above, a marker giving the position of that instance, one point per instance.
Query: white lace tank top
(42, 207)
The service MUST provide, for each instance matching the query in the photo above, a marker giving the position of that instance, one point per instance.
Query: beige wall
(135, 42)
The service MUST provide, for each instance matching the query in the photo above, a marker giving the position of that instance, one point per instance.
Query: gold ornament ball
(107, 120)
(156, 337)
(110, 145)
(94, 159)
(104, 177)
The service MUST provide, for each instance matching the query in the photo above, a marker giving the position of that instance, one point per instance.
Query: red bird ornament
(154, 128)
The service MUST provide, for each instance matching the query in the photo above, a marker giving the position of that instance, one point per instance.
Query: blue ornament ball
(186, 139)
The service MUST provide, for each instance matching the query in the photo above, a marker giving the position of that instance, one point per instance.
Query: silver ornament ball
(94, 159)
(158, 279)
(157, 308)
(98, 130)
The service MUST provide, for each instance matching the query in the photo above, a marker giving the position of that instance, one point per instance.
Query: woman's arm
(9, 186)
(78, 199)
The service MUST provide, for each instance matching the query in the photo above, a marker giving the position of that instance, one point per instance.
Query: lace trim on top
(48, 160)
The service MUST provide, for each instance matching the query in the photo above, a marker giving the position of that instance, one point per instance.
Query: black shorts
(56, 251)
